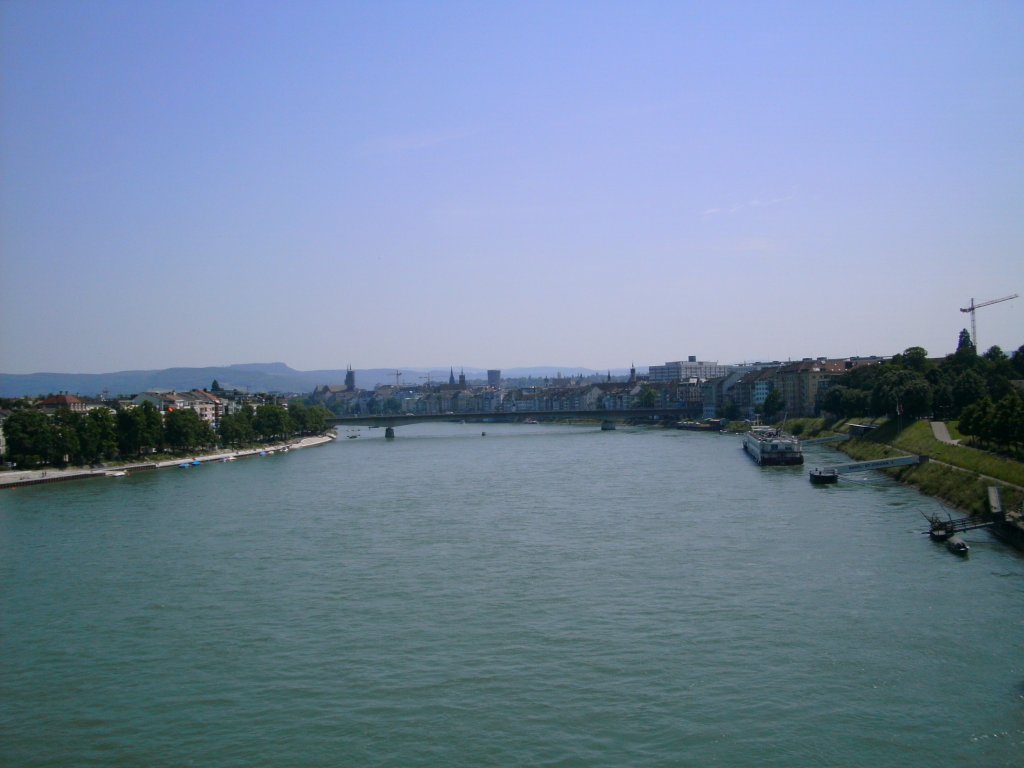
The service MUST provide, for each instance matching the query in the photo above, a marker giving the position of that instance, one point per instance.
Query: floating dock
(830, 474)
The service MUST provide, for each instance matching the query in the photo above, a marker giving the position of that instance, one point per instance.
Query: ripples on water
(539, 596)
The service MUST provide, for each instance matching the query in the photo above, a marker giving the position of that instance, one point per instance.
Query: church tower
(350, 379)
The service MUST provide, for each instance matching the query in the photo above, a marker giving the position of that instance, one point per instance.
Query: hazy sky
(505, 184)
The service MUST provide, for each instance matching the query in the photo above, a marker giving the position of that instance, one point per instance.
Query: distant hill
(251, 377)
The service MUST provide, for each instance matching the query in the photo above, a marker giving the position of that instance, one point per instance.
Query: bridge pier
(607, 425)
(389, 433)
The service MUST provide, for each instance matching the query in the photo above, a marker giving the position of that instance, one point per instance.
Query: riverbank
(16, 478)
(962, 477)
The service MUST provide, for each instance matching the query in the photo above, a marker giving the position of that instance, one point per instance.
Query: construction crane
(397, 375)
(979, 305)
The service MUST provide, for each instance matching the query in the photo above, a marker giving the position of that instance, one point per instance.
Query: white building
(692, 368)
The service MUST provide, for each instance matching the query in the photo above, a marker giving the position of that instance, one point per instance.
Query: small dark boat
(824, 476)
(958, 546)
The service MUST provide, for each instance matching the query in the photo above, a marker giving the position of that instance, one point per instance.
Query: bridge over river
(607, 418)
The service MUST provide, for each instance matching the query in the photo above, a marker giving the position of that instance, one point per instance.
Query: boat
(958, 546)
(197, 463)
(770, 446)
(352, 437)
(117, 473)
(824, 476)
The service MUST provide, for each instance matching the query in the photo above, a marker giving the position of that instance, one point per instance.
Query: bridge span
(606, 417)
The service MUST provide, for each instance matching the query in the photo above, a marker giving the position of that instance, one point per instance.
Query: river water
(539, 595)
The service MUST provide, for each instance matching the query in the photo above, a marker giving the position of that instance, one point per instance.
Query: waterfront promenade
(15, 478)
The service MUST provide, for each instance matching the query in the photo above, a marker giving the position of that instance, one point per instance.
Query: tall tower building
(350, 380)
(494, 379)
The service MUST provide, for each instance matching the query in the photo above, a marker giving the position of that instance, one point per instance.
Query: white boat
(771, 446)
(117, 473)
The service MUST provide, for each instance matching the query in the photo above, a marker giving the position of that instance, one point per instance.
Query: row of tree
(34, 438)
(912, 384)
(977, 389)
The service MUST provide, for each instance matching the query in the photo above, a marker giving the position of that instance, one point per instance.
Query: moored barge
(770, 446)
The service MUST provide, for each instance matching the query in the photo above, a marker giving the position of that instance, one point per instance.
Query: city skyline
(510, 185)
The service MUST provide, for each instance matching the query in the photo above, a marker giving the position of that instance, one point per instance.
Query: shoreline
(18, 478)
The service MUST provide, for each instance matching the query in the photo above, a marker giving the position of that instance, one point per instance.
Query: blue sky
(505, 184)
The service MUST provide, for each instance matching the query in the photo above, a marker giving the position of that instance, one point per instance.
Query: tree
(184, 430)
(899, 391)
(968, 387)
(272, 422)
(97, 435)
(916, 359)
(215, 386)
(976, 419)
(297, 412)
(236, 428)
(1008, 418)
(139, 429)
(772, 404)
(965, 346)
(1017, 361)
(29, 437)
(316, 419)
(648, 397)
(66, 447)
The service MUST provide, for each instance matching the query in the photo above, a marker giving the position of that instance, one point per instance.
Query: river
(536, 595)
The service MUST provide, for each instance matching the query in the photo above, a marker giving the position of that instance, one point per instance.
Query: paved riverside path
(14, 478)
(941, 433)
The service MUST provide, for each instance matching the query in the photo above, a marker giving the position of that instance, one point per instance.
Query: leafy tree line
(34, 439)
(977, 389)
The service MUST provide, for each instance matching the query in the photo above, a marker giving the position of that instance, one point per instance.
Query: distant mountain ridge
(251, 377)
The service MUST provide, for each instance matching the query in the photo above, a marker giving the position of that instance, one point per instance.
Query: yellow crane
(979, 305)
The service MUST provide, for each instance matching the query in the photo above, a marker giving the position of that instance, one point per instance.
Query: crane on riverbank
(973, 306)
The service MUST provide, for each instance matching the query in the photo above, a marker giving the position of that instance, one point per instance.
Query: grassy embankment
(957, 474)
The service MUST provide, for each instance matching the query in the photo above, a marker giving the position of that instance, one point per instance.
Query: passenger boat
(771, 446)
(824, 476)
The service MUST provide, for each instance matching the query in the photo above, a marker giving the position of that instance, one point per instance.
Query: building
(494, 379)
(803, 384)
(689, 369)
(209, 407)
(55, 403)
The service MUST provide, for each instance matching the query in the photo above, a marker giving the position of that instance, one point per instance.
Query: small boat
(117, 473)
(824, 476)
(958, 546)
(352, 437)
(184, 466)
(197, 463)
